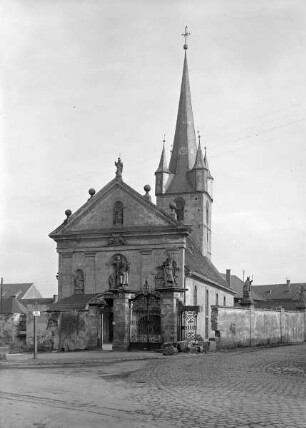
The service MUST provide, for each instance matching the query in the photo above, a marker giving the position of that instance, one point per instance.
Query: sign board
(36, 313)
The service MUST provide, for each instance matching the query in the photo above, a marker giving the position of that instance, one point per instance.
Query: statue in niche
(119, 166)
(118, 213)
(247, 288)
(167, 273)
(78, 282)
(120, 275)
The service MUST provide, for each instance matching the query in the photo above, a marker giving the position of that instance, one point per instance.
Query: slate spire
(163, 167)
(184, 146)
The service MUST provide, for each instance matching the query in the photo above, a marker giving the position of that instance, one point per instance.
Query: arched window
(224, 301)
(195, 296)
(217, 299)
(180, 205)
(78, 282)
(118, 213)
(120, 275)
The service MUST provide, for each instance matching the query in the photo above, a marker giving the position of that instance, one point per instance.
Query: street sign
(36, 313)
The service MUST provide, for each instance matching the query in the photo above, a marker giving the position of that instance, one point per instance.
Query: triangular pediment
(99, 212)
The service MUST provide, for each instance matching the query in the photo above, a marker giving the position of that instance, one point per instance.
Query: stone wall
(199, 298)
(235, 326)
(12, 330)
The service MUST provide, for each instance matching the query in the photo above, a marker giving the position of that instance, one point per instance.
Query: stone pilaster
(169, 314)
(90, 283)
(121, 320)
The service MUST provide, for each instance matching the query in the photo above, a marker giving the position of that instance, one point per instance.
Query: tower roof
(184, 146)
(163, 167)
(200, 161)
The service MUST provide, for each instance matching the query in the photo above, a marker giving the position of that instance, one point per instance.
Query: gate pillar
(169, 308)
(121, 320)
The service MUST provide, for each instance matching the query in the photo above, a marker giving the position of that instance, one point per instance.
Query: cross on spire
(185, 35)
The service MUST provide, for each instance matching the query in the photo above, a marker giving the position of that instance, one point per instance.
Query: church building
(137, 274)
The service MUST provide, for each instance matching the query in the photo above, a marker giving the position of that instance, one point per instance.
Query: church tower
(187, 181)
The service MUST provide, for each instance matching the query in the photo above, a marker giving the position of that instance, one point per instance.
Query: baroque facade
(142, 272)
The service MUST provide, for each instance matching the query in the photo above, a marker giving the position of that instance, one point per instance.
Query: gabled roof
(162, 218)
(12, 306)
(199, 264)
(280, 291)
(20, 290)
(72, 303)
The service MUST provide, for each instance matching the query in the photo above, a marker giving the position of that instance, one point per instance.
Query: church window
(78, 282)
(217, 299)
(180, 205)
(120, 272)
(118, 213)
(207, 213)
(224, 301)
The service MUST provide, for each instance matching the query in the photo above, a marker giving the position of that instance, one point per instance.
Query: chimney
(228, 277)
(55, 298)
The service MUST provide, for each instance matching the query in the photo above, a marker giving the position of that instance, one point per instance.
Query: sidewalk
(77, 358)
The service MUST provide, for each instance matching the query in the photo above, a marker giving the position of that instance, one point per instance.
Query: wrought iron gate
(145, 324)
(189, 316)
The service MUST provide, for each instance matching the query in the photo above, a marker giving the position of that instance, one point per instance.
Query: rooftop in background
(286, 291)
(12, 306)
(20, 291)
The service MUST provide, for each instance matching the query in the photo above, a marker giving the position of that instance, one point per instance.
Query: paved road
(245, 388)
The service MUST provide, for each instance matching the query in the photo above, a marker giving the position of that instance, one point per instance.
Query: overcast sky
(82, 81)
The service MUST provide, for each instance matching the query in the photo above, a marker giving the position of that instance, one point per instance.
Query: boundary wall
(239, 326)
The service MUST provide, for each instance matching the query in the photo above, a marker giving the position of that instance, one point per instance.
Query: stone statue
(120, 276)
(302, 296)
(119, 169)
(167, 274)
(247, 288)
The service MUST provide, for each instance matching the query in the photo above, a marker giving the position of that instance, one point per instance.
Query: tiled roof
(71, 303)
(280, 291)
(196, 262)
(40, 301)
(18, 289)
(12, 306)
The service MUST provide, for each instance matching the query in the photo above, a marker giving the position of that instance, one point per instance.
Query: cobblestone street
(239, 388)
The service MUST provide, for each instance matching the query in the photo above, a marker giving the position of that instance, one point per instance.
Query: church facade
(140, 274)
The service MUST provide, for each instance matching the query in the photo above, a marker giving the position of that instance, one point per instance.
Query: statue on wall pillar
(167, 273)
(247, 288)
(120, 275)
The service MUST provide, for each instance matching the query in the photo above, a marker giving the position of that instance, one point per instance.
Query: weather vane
(186, 34)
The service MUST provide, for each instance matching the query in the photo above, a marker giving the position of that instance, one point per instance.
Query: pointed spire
(205, 159)
(199, 162)
(184, 146)
(163, 167)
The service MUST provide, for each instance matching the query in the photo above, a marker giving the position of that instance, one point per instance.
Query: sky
(84, 81)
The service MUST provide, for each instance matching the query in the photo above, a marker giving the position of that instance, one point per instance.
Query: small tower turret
(162, 173)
